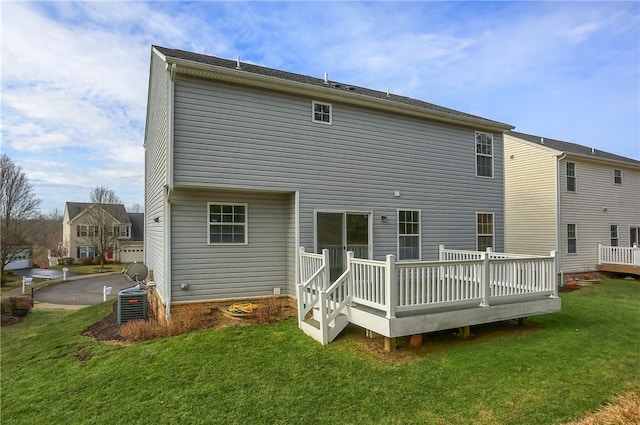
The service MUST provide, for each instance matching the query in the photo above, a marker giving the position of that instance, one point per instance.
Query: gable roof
(574, 148)
(212, 67)
(117, 211)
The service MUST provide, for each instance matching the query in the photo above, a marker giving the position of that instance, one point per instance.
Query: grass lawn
(570, 364)
(92, 268)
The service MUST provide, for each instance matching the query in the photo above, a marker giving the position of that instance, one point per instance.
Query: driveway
(82, 291)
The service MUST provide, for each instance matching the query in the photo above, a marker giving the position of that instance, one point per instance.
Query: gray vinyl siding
(236, 137)
(596, 191)
(156, 168)
(230, 271)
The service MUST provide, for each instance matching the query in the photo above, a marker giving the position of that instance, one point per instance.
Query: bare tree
(103, 195)
(101, 231)
(18, 205)
(135, 208)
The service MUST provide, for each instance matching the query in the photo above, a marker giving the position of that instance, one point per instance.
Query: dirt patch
(7, 319)
(432, 342)
(623, 410)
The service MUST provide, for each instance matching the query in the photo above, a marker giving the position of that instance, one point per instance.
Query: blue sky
(75, 75)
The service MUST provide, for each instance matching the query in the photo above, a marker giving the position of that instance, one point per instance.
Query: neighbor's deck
(619, 259)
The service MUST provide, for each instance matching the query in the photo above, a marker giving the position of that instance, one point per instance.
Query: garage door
(132, 254)
(22, 263)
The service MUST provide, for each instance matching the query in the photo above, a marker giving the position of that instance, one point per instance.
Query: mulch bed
(7, 319)
(107, 329)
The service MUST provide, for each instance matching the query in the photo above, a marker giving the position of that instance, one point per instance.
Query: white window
(84, 230)
(121, 231)
(617, 176)
(614, 235)
(227, 223)
(484, 231)
(572, 239)
(571, 176)
(484, 154)
(408, 234)
(322, 112)
(86, 252)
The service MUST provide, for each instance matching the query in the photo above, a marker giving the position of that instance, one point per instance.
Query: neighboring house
(78, 226)
(567, 197)
(244, 164)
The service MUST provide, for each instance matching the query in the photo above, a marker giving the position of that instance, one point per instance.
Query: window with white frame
(227, 223)
(86, 252)
(572, 239)
(614, 234)
(85, 230)
(121, 231)
(484, 154)
(617, 176)
(322, 112)
(571, 176)
(484, 231)
(408, 234)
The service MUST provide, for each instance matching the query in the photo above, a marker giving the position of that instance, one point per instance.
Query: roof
(573, 148)
(137, 226)
(116, 210)
(319, 83)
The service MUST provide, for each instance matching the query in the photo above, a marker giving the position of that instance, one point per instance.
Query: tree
(47, 236)
(103, 195)
(101, 232)
(135, 208)
(18, 205)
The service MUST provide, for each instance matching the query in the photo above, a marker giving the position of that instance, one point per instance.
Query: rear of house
(245, 164)
(570, 198)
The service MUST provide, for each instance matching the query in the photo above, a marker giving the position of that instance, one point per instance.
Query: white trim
(313, 112)
(493, 229)
(344, 227)
(566, 235)
(246, 223)
(575, 177)
(419, 211)
(611, 238)
(614, 177)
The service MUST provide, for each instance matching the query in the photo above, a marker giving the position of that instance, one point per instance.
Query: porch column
(390, 288)
(485, 278)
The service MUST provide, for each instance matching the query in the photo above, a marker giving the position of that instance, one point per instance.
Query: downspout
(168, 191)
(558, 221)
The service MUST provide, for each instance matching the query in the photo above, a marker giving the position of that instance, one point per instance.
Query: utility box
(132, 304)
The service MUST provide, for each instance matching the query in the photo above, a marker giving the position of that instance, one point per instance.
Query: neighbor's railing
(619, 255)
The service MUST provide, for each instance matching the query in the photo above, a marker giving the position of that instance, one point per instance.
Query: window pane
(484, 165)
(409, 248)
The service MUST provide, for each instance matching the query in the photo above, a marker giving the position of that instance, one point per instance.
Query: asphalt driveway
(82, 291)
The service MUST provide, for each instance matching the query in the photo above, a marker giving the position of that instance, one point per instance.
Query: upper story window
(83, 230)
(617, 176)
(322, 112)
(484, 154)
(227, 223)
(122, 231)
(408, 234)
(484, 231)
(571, 176)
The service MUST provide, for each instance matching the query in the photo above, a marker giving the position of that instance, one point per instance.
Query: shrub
(268, 312)
(86, 261)
(184, 320)
(18, 302)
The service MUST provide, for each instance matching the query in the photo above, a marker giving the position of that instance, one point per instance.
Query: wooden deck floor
(619, 268)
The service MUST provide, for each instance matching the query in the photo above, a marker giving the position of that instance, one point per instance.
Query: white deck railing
(473, 278)
(619, 255)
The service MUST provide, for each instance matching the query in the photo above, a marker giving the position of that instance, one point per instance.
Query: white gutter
(168, 192)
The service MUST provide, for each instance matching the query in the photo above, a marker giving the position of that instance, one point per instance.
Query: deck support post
(390, 344)
(522, 321)
(464, 332)
(327, 269)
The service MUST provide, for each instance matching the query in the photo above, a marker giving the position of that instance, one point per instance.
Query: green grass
(576, 361)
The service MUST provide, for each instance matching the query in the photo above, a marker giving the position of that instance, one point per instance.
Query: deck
(396, 299)
(619, 259)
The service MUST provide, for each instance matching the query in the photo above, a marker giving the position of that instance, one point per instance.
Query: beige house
(570, 198)
(78, 230)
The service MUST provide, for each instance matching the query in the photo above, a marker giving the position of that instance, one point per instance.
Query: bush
(184, 320)
(87, 261)
(268, 312)
(18, 301)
